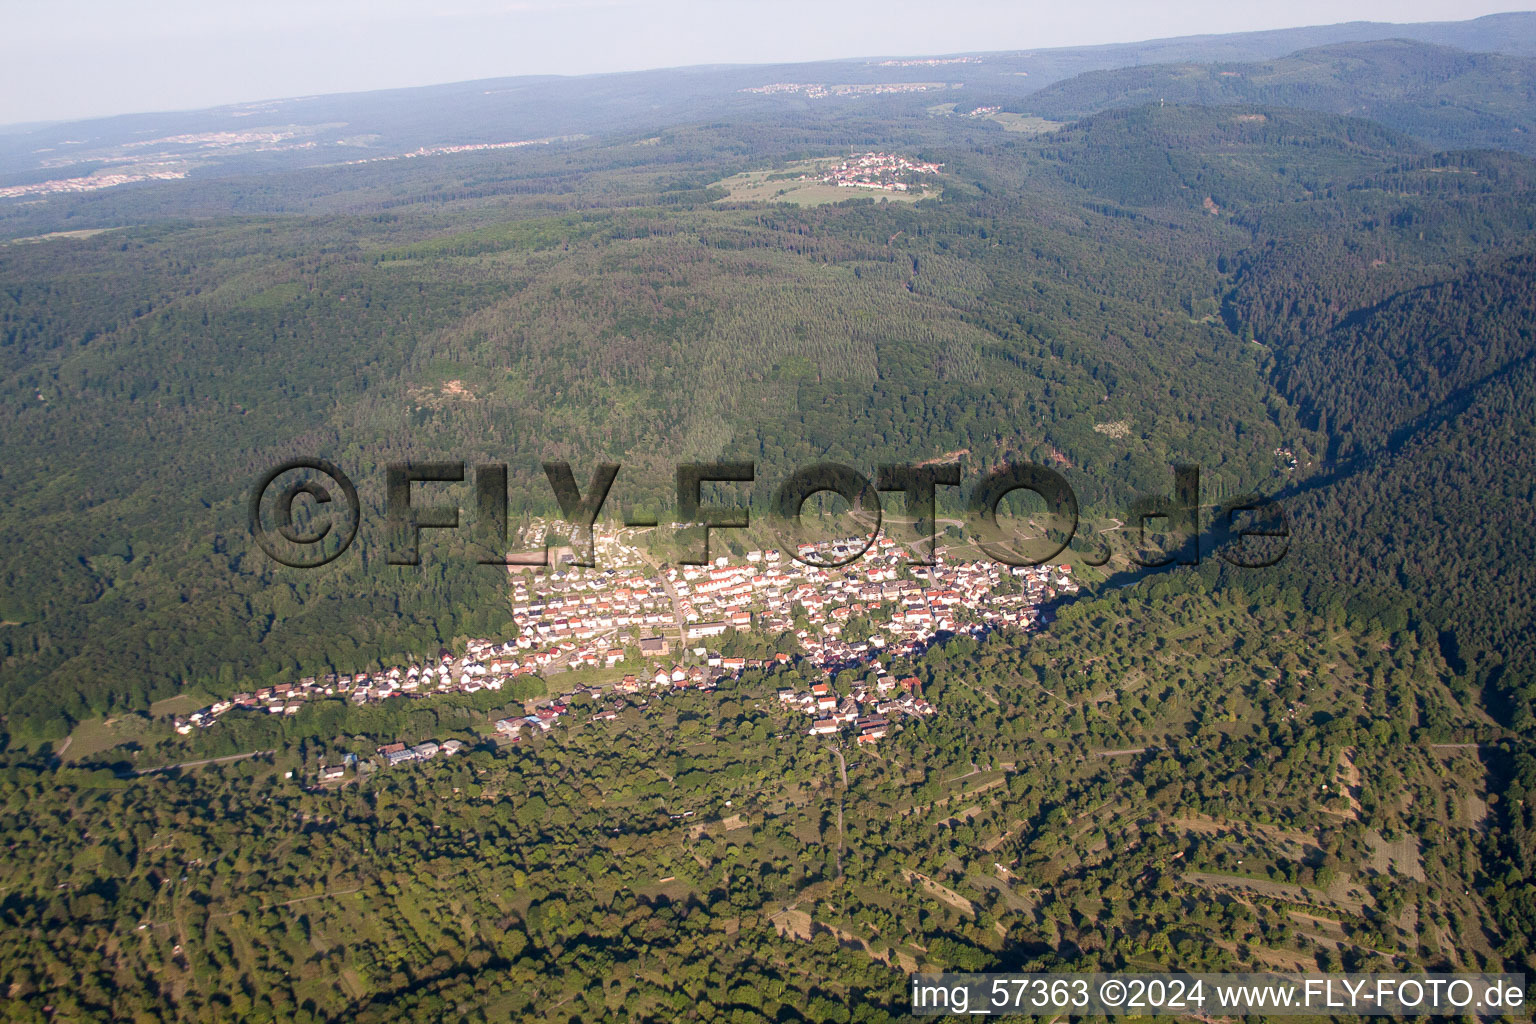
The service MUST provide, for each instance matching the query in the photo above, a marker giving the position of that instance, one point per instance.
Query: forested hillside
(1191, 796)
(1449, 98)
(1322, 764)
(1009, 319)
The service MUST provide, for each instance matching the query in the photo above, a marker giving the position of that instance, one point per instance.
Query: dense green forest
(1324, 764)
(1228, 783)
(1448, 97)
(1001, 324)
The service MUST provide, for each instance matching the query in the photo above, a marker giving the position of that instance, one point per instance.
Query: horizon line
(21, 127)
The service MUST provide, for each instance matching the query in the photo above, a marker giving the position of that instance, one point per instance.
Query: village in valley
(631, 630)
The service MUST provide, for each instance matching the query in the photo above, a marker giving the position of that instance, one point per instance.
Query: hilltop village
(884, 172)
(822, 90)
(652, 629)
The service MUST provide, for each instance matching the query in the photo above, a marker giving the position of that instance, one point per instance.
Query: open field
(78, 233)
(785, 186)
(97, 735)
(181, 704)
(1026, 123)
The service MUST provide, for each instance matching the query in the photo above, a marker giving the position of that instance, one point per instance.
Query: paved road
(678, 620)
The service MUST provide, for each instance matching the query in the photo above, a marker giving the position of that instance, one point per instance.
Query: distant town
(818, 90)
(468, 147)
(928, 62)
(88, 183)
(181, 154)
(885, 172)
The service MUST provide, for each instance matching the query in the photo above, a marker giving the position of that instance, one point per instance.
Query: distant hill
(1447, 97)
(283, 134)
(1230, 157)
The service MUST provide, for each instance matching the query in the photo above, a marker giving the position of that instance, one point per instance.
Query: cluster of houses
(928, 62)
(393, 754)
(874, 607)
(580, 618)
(573, 618)
(821, 90)
(89, 183)
(400, 753)
(543, 719)
(886, 697)
(884, 172)
(486, 665)
(906, 607)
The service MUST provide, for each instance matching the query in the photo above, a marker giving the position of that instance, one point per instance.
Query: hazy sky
(79, 58)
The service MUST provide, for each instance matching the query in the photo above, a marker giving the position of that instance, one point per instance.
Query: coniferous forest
(1325, 764)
